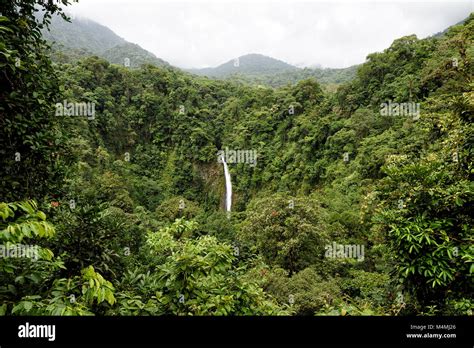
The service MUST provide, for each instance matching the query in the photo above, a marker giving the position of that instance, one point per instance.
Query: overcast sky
(201, 33)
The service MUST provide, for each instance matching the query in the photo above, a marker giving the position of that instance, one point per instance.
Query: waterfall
(228, 187)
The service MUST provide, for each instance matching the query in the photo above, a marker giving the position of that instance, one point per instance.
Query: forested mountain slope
(248, 64)
(82, 37)
(82, 33)
(258, 69)
(133, 192)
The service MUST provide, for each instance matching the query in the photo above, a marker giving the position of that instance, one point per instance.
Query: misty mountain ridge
(252, 63)
(83, 37)
(263, 70)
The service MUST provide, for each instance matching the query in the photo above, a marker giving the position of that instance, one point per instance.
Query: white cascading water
(228, 187)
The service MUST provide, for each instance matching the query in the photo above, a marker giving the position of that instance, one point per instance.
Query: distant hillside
(250, 64)
(134, 52)
(263, 70)
(83, 37)
(327, 76)
(82, 33)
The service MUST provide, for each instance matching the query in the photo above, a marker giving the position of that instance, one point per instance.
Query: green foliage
(30, 141)
(29, 277)
(330, 168)
(430, 228)
(31, 223)
(24, 268)
(177, 207)
(306, 292)
(76, 296)
(95, 235)
(372, 287)
(287, 231)
(196, 277)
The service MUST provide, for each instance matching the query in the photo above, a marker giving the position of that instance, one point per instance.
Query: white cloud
(203, 33)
